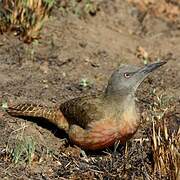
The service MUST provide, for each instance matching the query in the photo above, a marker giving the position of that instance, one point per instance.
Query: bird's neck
(121, 91)
(124, 107)
(125, 98)
(129, 101)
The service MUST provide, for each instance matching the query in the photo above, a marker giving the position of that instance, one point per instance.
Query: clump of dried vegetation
(165, 139)
(24, 17)
(165, 151)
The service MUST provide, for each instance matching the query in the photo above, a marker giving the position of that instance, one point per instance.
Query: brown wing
(83, 110)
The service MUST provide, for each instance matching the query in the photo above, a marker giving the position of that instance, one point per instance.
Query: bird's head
(127, 78)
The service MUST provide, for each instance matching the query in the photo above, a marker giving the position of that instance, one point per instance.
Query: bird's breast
(128, 124)
(105, 132)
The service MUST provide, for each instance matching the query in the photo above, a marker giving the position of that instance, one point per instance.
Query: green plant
(23, 150)
(79, 8)
(90, 7)
(84, 83)
(4, 105)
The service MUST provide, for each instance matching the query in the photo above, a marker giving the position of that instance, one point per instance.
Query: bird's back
(83, 110)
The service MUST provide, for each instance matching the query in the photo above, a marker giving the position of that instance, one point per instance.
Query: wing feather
(83, 110)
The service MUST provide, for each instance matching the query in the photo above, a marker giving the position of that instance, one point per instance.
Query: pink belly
(97, 140)
(103, 134)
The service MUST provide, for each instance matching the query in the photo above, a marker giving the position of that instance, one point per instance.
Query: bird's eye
(127, 75)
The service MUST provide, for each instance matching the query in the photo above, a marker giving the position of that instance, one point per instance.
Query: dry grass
(24, 17)
(165, 140)
(165, 151)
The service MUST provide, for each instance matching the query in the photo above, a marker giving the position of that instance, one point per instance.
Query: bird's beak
(151, 67)
(143, 72)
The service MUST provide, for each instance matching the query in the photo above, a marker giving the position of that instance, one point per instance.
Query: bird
(98, 121)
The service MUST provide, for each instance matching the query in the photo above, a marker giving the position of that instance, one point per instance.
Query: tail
(51, 114)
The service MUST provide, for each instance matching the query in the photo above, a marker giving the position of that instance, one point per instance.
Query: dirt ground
(75, 49)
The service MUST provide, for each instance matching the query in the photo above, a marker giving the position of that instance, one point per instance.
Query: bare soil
(49, 72)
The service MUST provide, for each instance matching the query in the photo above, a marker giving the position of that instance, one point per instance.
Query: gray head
(127, 78)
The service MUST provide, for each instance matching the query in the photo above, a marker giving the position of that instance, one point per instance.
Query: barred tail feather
(28, 110)
(51, 114)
